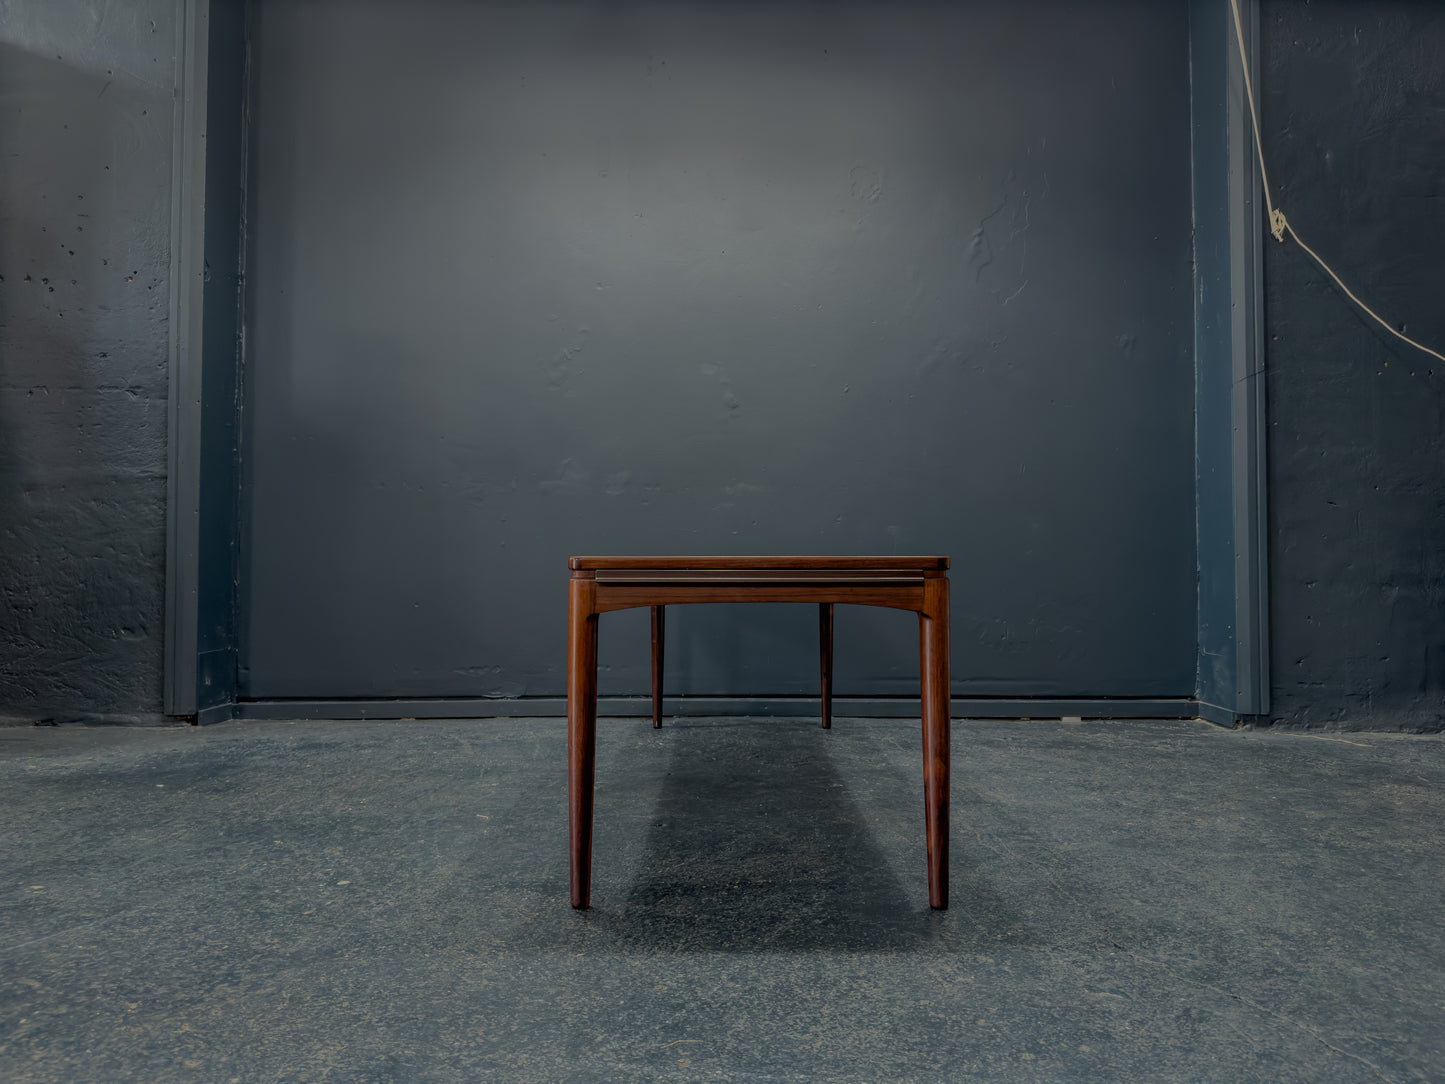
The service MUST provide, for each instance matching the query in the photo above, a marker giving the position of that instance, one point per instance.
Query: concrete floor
(341, 901)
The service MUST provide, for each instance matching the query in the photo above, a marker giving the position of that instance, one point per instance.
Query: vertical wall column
(188, 238)
(207, 199)
(1233, 674)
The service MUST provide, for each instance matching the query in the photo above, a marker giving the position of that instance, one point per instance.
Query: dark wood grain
(603, 584)
(825, 652)
(623, 596)
(659, 627)
(933, 659)
(736, 563)
(764, 575)
(581, 732)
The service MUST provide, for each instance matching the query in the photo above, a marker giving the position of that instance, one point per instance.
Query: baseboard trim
(638, 706)
(1213, 713)
(95, 718)
(217, 713)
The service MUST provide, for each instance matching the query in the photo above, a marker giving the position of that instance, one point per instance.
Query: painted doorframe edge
(1232, 673)
(187, 281)
(1251, 521)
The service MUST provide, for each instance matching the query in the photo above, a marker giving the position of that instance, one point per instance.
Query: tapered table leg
(825, 653)
(659, 624)
(933, 656)
(581, 731)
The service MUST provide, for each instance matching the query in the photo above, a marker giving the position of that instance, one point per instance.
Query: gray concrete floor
(340, 901)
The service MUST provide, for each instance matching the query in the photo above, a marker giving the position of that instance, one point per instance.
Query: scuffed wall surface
(1354, 118)
(86, 130)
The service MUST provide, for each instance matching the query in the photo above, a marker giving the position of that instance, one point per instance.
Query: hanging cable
(1278, 224)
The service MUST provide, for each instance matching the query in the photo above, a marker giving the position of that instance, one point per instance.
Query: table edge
(872, 563)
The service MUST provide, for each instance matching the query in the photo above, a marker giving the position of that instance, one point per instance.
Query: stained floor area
(381, 901)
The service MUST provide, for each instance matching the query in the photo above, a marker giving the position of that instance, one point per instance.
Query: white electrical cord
(1278, 224)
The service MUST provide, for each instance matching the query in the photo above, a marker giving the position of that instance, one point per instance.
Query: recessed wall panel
(532, 280)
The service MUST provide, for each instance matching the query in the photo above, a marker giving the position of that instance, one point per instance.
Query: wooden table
(600, 584)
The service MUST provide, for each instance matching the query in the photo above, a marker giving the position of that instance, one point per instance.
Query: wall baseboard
(693, 706)
(217, 713)
(1213, 713)
(97, 718)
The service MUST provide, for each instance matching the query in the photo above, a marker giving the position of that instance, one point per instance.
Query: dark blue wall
(1229, 378)
(1354, 119)
(529, 280)
(1352, 103)
(217, 536)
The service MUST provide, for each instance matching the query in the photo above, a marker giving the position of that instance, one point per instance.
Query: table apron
(618, 596)
(710, 577)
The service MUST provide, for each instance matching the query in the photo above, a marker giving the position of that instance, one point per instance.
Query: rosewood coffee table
(600, 584)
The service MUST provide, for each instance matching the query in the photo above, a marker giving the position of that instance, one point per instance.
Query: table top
(821, 564)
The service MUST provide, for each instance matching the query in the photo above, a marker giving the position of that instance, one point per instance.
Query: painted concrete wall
(85, 175)
(1352, 98)
(533, 280)
(1354, 118)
